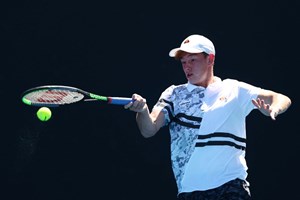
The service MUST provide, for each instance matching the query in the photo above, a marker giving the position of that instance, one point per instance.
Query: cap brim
(173, 52)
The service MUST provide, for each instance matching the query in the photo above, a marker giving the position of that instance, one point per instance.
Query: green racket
(57, 95)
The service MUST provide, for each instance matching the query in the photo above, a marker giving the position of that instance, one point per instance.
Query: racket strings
(54, 96)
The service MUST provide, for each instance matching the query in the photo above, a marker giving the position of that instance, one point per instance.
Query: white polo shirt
(208, 132)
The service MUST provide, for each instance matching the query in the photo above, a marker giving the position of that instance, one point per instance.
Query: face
(197, 68)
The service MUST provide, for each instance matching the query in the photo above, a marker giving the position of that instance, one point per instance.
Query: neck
(208, 80)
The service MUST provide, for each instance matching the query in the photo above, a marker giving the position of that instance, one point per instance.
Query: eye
(192, 60)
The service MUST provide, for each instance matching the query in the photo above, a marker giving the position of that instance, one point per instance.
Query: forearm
(146, 124)
(280, 103)
(271, 103)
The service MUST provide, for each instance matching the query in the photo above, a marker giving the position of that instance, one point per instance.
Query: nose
(186, 67)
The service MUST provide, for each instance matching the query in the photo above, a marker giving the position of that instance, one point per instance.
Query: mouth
(188, 75)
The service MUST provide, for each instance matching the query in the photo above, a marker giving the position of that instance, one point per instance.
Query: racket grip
(119, 100)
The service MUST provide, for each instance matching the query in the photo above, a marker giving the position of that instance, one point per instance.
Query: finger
(267, 106)
(255, 103)
(258, 100)
(137, 105)
(128, 105)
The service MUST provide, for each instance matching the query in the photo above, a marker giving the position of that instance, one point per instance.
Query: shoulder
(176, 87)
(244, 90)
(172, 91)
(230, 81)
(238, 83)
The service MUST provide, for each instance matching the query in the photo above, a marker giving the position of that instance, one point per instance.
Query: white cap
(195, 44)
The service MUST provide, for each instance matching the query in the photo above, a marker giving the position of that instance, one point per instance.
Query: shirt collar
(191, 87)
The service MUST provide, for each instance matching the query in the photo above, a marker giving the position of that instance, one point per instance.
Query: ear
(211, 58)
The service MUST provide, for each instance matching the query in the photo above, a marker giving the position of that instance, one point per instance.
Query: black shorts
(233, 190)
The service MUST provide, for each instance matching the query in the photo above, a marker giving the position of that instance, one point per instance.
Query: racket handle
(119, 100)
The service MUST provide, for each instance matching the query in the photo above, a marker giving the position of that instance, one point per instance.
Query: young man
(206, 119)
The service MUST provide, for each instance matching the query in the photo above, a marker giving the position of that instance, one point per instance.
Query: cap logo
(186, 41)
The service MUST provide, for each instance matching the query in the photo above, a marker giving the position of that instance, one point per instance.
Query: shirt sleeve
(165, 105)
(247, 92)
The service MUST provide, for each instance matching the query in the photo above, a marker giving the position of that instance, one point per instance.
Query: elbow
(148, 134)
(288, 102)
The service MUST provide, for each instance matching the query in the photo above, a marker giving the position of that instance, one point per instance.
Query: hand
(265, 108)
(138, 105)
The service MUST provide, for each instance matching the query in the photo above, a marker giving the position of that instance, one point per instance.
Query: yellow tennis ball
(44, 114)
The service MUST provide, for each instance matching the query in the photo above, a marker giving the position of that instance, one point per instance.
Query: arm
(148, 123)
(271, 103)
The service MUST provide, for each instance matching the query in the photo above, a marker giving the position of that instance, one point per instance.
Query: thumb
(273, 115)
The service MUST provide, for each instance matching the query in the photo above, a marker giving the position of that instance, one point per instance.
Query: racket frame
(92, 96)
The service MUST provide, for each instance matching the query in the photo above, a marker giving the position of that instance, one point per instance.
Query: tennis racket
(57, 95)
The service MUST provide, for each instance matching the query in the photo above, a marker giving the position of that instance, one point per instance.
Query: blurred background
(95, 151)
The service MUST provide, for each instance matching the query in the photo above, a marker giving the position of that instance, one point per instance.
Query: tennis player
(206, 119)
